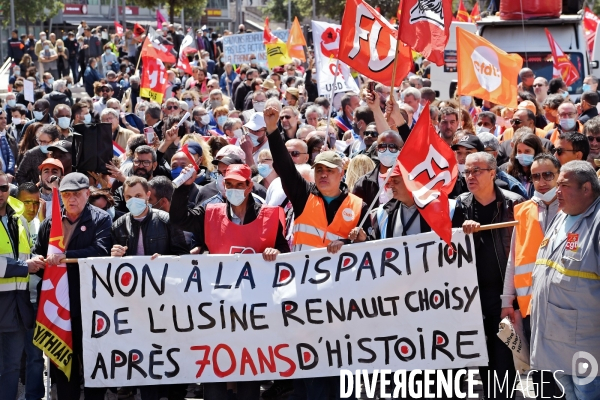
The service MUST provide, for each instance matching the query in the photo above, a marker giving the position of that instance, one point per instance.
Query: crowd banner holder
(481, 228)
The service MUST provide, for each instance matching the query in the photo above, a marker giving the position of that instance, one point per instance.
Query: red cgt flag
(590, 25)
(462, 15)
(154, 79)
(425, 27)
(368, 44)
(429, 170)
(563, 67)
(53, 333)
(118, 28)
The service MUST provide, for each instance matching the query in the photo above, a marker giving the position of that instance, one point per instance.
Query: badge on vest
(544, 243)
(348, 214)
(572, 241)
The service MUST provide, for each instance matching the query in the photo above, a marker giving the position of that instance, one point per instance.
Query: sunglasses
(4, 188)
(172, 108)
(516, 122)
(295, 153)
(381, 147)
(591, 139)
(106, 90)
(559, 151)
(371, 134)
(285, 117)
(188, 99)
(548, 176)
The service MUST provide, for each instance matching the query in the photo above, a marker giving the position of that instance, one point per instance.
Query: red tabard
(225, 237)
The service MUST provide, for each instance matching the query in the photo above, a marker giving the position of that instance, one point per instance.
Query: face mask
(44, 149)
(16, 121)
(585, 87)
(461, 168)
(215, 103)
(564, 94)
(107, 52)
(17, 72)
(60, 48)
(525, 159)
(221, 183)
(46, 47)
(465, 101)
(175, 172)
(387, 158)
(254, 139)
(264, 170)
(87, 119)
(111, 212)
(136, 206)
(259, 106)
(205, 119)
(481, 129)
(11, 103)
(50, 82)
(235, 196)
(38, 115)
(190, 103)
(238, 133)
(64, 122)
(70, 86)
(567, 124)
(222, 119)
(546, 197)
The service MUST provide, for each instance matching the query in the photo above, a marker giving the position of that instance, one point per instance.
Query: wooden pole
(497, 226)
(392, 95)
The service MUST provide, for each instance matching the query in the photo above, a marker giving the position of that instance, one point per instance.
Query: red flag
(160, 20)
(154, 79)
(118, 28)
(368, 44)
(188, 46)
(155, 46)
(53, 322)
(429, 170)
(268, 37)
(138, 30)
(462, 15)
(475, 14)
(425, 27)
(563, 67)
(590, 25)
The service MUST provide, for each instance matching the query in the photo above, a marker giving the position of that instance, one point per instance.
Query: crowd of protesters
(266, 143)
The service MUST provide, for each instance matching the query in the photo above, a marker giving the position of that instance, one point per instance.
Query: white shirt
(417, 113)
(263, 146)
(275, 193)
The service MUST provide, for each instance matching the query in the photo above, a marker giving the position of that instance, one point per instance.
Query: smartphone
(371, 87)
(149, 133)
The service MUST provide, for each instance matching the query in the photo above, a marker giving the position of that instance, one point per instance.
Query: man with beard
(448, 124)
(144, 164)
(49, 169)
(289, 122)
(591, 130)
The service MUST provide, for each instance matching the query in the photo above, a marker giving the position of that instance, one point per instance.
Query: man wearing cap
(51, 173)
(256, 138)
(180, 160)
(86, 233)
(291, 96)
(61, 151)
(466, 145)
(523, 117)
(106, 93)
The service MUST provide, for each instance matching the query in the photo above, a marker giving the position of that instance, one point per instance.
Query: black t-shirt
(489, 275)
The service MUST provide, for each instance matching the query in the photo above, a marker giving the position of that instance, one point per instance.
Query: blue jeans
(574, 391)
(34, 388)
(11, 350)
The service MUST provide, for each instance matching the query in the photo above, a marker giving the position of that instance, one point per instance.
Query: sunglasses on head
(295, 153)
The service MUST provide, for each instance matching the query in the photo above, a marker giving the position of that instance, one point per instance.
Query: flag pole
(337, 68)
(392, 94)
(137, 66)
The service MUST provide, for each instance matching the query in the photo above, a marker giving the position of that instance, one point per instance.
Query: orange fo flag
(462, 15)
(296, 41)
(53, 333)
(563, 67)
(475, 15)
(485, 71)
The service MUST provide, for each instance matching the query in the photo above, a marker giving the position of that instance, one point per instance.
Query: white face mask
(235, 196)
(387, 158)
(238, 133)
(64, 122)
(546, 197)
(481, 129)
(16, 121)
(259, 106)
(205, 119)
(87, 119)
(254, 139)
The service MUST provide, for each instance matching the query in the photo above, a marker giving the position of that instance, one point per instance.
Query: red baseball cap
(238, 172)
(396, 171)
(53, 162)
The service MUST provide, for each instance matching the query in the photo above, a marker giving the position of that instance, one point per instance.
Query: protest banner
(326, 42)
(237, 49)
(402, 303)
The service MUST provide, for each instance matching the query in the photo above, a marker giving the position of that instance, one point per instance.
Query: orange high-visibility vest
(528, 237)
(311, 229)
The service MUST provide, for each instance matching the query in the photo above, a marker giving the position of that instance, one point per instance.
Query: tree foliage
(30, 11)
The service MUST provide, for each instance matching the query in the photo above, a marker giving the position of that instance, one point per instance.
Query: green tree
(191, 7)
(30, 11)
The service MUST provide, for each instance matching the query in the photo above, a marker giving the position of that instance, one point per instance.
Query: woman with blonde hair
(359, 166)
(206, 153)
(191, 97)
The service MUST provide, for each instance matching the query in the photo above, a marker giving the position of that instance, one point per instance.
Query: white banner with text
(402, 303)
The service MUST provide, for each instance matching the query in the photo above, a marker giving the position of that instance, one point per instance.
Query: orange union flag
(485, 71)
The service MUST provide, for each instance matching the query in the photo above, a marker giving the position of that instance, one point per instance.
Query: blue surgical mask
(50, 82)
(387, 158)
(111, 212)
(87, 119)
(264, 170)
(11, 103)
(190, 104)
(567, 123)
(564, 94)
(64, 122)
(222, 119)
(136, 206)
(525, 159)
(235, 196)
(38, 115)
(254, 139)
(585, 87)
(44, 149)
(175, 172)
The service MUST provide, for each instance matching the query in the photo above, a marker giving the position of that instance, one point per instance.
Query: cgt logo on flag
(429, 11)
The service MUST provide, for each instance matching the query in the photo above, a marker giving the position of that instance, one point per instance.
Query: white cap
(257, 122)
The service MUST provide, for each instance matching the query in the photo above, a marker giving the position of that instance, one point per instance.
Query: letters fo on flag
(563, 67)
(368, 44)
(429, 170)
(53, 333)
(154, 79)
(425, 27)
(485, 71)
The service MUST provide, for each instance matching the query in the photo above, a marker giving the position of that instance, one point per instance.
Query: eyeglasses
(567, 115)
(42, 143)
(285, 117)
(475, 171)
(591, 139)
(4, 188)
(295, 153)
(548, 176)
(145, 163)
(381, 147)
(559, 150)
(188, 99)
(515, 122)
(172, 107)
(371, 134)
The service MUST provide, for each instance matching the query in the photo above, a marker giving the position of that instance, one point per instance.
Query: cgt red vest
(222, 236)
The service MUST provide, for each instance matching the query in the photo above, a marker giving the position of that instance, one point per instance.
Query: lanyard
(406, 227)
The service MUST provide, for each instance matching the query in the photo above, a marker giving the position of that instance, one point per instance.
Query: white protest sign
(28, 91)
(401, 303)
(237, 49)
(326, 42)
